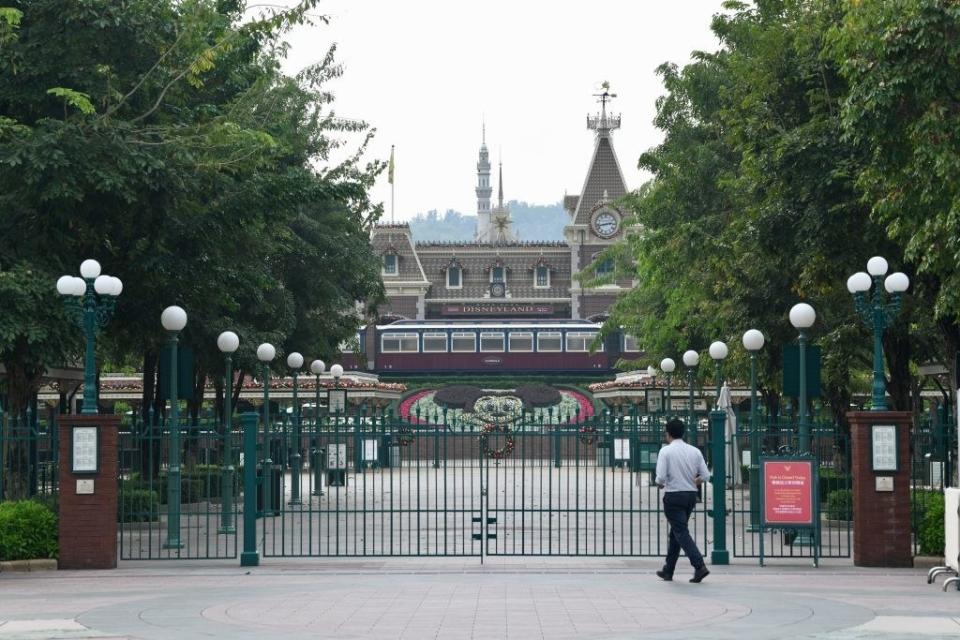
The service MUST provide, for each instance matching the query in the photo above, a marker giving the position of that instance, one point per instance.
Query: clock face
(497, 290)
(606, 224)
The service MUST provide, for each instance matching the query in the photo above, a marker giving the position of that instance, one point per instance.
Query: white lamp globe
(173, 318)
(651, 371)
(103, 285)
(691, 358)
(877, 266)
(802, 316)
(117, 286)
(65, 285)
(896, 283)
(336, 371)
(295, 360)
(718, 350)
(317, 367)
(266, 352)
(667, 365)
(228, 342)
(90, 269)
(753, 340)
(79, 286)
(858, 282)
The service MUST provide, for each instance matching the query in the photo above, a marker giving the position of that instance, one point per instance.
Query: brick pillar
(88, 514)
(881, 516)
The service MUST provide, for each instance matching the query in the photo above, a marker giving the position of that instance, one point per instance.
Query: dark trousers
(677, 507)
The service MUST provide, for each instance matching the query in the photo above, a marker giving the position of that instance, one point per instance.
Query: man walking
(681, 470)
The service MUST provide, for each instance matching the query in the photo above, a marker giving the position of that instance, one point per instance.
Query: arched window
(390, 264)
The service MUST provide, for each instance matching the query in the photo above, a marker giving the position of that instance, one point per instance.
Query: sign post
(789, 498)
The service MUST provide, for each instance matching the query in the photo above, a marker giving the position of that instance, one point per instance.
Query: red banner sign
(497, 308)
(787, 492)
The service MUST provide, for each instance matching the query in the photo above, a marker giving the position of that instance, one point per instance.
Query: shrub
(458, 396)
(840, 504)
(28, 530)
(830, 481)
(537, 395)
(137, 504)
(931, 532)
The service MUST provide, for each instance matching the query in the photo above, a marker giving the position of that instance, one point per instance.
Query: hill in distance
(531, 222)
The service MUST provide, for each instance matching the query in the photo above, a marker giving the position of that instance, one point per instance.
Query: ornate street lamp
(719, 351)
(337, 372)
(753, 341)
(265, 354)
(668, 366)
(691, 359)
(227, 342)
(173, 319)
(90, 301)
(317, 368)
(295, 362)
(878, 313)
(802, 316)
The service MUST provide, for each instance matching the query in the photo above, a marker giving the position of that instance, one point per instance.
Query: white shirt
(678, 463)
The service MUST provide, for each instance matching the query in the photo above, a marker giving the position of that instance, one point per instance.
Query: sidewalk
(446, 598)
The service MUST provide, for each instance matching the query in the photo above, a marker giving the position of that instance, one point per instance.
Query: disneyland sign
(497, 308)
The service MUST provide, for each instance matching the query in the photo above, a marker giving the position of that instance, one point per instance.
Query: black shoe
(700, 574)
(665, 576)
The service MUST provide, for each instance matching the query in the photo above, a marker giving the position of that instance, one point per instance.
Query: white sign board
(884, 447)
(336, 456)
(84, 487)
(370, 451)
(337, 401)
(84, 450)
(621, 449)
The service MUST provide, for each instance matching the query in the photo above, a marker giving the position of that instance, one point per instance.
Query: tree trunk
(199, 386)
(896, 347)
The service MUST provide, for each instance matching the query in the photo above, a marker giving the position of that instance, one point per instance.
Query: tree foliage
(162, 138)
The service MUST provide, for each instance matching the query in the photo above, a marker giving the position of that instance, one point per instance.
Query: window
(630, 343)
(521, 341)
(497, 274)
(390, 264)
(399, 343)
(604, 268)
(549, 341)
(541, 278)
(491, 342)
(453, 278)
(577, 341)
(463, 342)
(434, 343)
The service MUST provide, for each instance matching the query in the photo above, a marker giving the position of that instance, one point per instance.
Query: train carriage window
(463, 342)
(630, 343)
(581, 341)
(491, 342)
(399, 343)
(521, 341)
(549, 341)
(434, 343)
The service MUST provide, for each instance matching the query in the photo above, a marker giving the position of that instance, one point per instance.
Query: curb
(927, 562)
(45, 564)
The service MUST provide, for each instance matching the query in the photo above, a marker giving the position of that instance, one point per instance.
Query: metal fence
(29, 454)
(933, 463)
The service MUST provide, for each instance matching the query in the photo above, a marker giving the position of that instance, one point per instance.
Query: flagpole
(390, 177)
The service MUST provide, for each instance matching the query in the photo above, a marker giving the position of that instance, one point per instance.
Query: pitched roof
(603, 177)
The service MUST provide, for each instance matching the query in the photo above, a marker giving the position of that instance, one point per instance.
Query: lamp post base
(249, 559)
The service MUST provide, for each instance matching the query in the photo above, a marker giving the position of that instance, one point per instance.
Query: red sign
(497, 308)
(787, 492)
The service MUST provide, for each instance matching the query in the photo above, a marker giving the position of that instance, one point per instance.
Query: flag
(390, 167)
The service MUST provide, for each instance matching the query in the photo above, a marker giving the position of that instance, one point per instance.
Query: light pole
(173, 319)
(668, 366)
(718, 351)
(753, 342)
(228, 342)
(317, 367)
(691, 359)
(878, 314)
(90, 302)
(802, 316)
(295, 361)
(265, 354)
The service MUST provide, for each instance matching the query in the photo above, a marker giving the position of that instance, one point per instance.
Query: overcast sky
(426, 73)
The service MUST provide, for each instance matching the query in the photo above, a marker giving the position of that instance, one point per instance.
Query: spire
(500, 194)
(484, 135)
(604, 124)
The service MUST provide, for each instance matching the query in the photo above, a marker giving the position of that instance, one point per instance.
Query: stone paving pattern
(460, 598)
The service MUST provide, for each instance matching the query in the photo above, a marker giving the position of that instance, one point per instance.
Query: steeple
(483, 189)
(500, 231)
(500, 192)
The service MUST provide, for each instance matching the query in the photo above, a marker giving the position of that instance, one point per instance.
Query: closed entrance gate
(376, 486)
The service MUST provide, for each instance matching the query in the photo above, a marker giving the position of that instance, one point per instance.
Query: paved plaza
(452, 598)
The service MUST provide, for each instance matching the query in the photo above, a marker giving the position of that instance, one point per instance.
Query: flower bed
(423, 403)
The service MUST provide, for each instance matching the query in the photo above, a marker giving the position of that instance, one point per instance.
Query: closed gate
(378, 486)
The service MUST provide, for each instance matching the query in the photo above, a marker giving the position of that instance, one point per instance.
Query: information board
(84, 450)
(336, 456)
(337, 401)
(883, 447)
(621, 448)
(371, 450)
(787, 492)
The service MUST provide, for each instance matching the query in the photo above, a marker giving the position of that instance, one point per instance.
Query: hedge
(930, 531)
(831, 481)
(28, 530)
(137, 504)
(840, 504)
